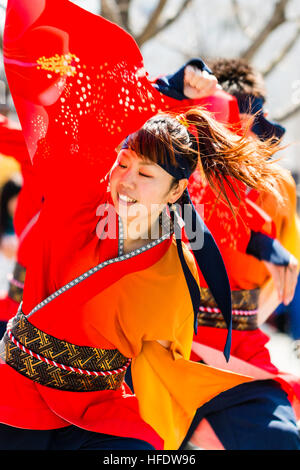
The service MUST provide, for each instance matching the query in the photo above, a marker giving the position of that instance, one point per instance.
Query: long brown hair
(221, 155)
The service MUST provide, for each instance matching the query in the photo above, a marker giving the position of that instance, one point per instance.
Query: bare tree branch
(288, 113)
(237, 14)
(1, 38)
(185, 5)
(278, 17)
(179, 49)
(117, 11)
(110, 11)
(151, 26)
(159, 28)
(285, 50)
(124, 6)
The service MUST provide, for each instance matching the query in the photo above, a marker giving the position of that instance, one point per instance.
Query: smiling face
(140, 189)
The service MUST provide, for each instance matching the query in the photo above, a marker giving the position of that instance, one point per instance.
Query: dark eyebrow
(143, 161)
(147, 162)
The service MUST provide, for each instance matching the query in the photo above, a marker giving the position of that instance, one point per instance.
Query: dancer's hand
(285, 279)
(198, 83)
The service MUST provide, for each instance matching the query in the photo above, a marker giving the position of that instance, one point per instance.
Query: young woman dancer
(99, 294)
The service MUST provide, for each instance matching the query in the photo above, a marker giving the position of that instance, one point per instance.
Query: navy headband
(208, 258)
(182, 170)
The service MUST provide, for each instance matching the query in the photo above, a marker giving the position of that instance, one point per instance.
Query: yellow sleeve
(291, 237)
(170, 388)
(284, 213)
(290, 231)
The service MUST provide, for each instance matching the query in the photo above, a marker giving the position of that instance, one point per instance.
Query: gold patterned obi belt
(244, 310)
(16, 283)
(58, 364)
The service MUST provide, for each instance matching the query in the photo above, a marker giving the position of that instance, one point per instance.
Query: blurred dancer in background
(24, 216)
(244, 81)
(8, 241)
(276, 428)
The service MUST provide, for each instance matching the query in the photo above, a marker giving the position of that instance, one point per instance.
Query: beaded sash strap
(59, 364)
(16, 283)
(244, 310)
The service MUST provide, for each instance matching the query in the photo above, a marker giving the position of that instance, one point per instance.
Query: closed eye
(122, 165)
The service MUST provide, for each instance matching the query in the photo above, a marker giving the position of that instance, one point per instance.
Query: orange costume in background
(255, 211)
(284, 215)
